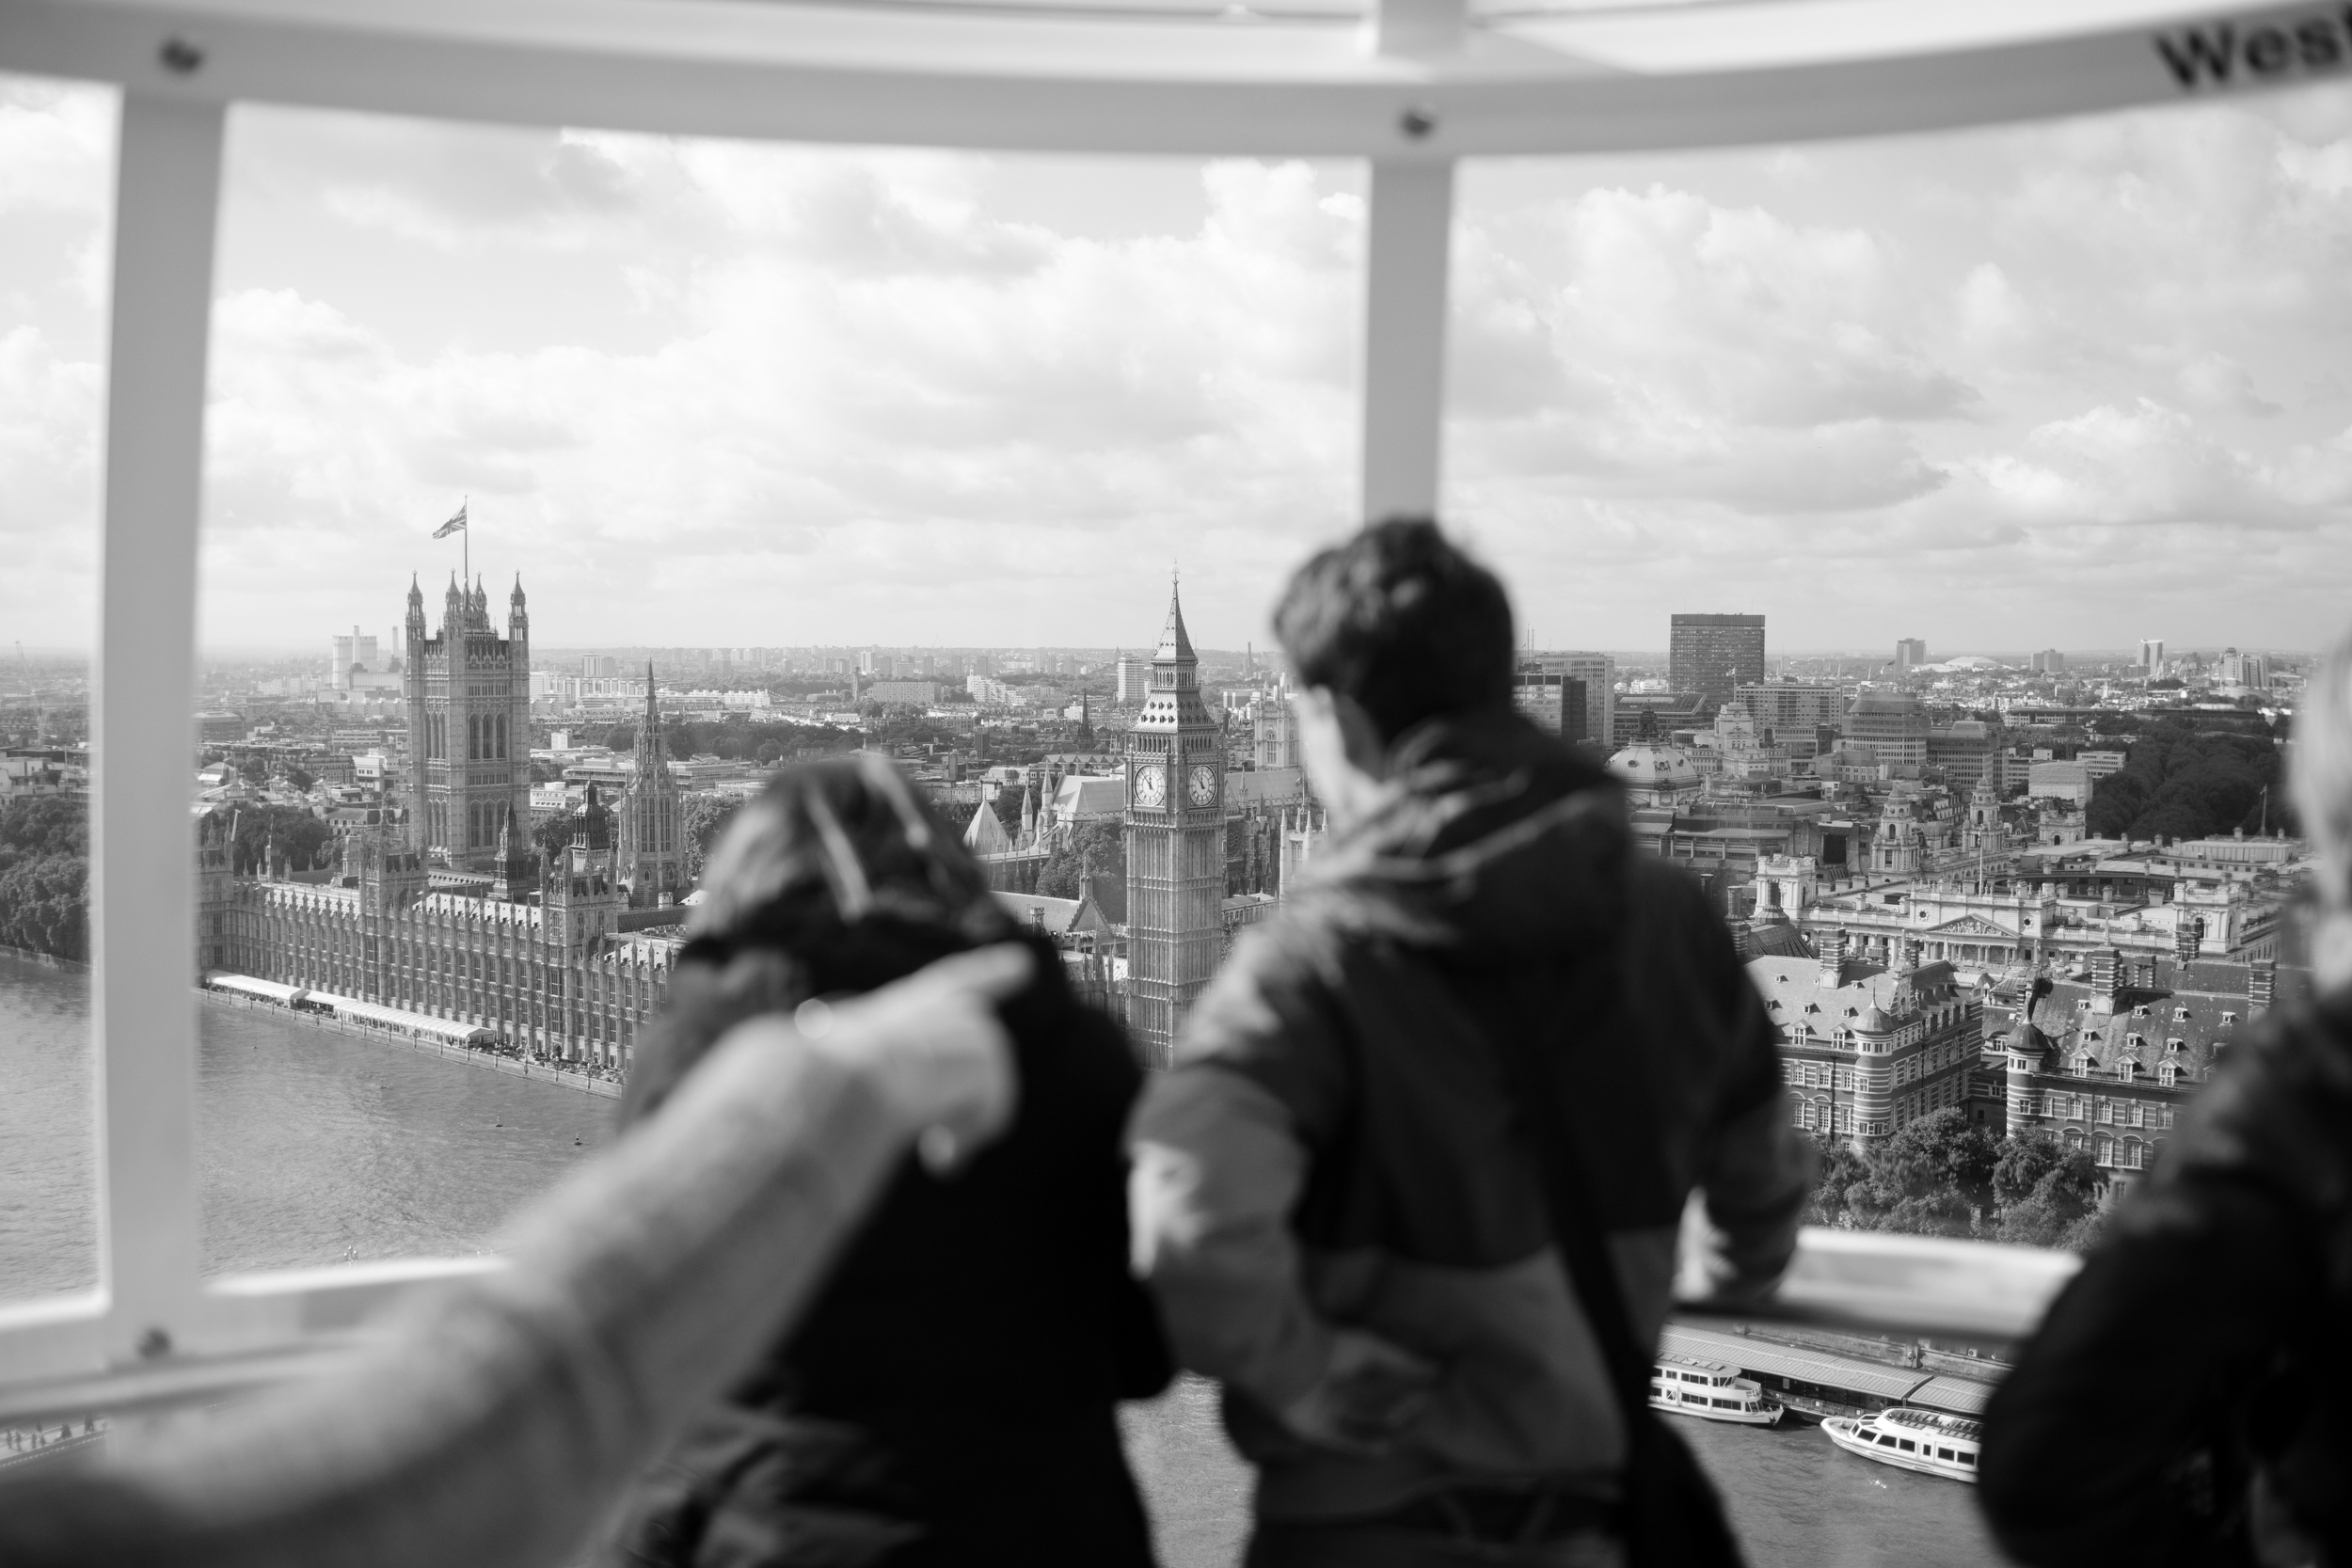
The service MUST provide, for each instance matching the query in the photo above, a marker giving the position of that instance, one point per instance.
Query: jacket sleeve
(2210, 1272)
(1754, 1168)
(1221, 1148)
(490, 1424)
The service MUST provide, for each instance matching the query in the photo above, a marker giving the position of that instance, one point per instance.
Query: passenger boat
(1923, 1440)
(1691, 1385)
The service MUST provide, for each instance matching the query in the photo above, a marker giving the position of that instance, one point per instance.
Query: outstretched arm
(491, 1424)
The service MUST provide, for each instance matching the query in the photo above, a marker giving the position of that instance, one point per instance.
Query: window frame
(1412, 87)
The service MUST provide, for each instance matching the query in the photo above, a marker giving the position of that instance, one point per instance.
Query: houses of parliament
(444, 910)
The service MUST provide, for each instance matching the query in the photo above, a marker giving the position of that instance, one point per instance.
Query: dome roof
(1638, 765)
(2029, 1039)
(1874, 1021)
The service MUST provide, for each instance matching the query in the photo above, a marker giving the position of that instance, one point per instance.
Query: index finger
(985, 975)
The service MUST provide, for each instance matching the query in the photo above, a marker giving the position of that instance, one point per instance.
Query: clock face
(1151, 784)
(1203, 784)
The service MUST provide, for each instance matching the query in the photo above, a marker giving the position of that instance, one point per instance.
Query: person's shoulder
(1057, 1031)
(1668, 891)
(2280, 1103)
(1274, 994)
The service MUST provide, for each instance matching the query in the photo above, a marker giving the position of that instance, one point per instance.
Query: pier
(1817, 1382)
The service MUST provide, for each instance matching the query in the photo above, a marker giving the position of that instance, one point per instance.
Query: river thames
(316, 1146)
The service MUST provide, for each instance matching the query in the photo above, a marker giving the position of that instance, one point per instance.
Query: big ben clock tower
(1175, 846)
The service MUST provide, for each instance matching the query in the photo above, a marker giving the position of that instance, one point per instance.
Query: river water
(315, 1147)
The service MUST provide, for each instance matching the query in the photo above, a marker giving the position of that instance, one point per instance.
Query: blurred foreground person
(494, 1422)
(1412, 1191)
(950, 1396)
(2179, 1405)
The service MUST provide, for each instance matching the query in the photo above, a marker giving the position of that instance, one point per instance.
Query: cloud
(2130, 466)
(875, 387)
(2216, 382)
(57, 144)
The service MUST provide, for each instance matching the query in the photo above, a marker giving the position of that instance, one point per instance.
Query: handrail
(1104, 82)
(1846, 1279)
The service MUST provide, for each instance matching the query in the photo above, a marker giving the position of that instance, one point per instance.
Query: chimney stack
(1833, 949)
(2105, 973)
(2261, 984)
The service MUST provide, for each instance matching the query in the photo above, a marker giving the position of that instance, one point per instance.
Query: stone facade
(560, 976)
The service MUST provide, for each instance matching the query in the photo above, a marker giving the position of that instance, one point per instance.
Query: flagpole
(466, 506)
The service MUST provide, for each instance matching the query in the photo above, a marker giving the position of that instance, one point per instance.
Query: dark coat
(949, 1397)
(1340, 1145)
(2182, 1403)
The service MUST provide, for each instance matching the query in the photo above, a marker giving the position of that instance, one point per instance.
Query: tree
(552, 836)
(2182, 783)
(706, 817)
(300, 837)
(2049, 1193)
(302, 779)
(1096, 847)
(44, 875)
(1838, 1170)
(1933, 1178)
(256, 771)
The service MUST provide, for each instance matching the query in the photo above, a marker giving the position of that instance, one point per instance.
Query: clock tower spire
(1175, 845)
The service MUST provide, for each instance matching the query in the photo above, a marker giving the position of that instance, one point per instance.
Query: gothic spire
(1174, 641)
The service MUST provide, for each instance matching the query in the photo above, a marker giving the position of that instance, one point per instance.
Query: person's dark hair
(837, 878)
(1400, 620)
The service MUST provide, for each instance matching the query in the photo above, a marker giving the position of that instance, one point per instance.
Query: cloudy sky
(2071, 385)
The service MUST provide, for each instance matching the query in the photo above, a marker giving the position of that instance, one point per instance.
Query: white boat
(1691, 1385)
(1924, 1440)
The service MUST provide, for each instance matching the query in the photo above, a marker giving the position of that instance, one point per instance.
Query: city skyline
(2081, 373)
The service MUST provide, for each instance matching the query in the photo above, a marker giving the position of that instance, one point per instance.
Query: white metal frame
(1413, 87)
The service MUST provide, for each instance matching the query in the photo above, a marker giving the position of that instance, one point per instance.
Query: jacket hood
(1494, 839)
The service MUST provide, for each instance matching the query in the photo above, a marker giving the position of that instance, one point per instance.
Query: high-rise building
(1175, 846)
(652, 847)
(350, 653)
(1715, 655)
(2049, 661)
(2151, 657)
(1893, 725)
(1598, 674)
(2248, 669)
(1558, 703)
(469, 694)
(1911, 652)
(1792, 706)
(1133, 679)
(600, 667)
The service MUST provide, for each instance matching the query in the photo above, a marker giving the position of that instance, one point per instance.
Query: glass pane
(56, 176)
(1924, 517)
(827, 447)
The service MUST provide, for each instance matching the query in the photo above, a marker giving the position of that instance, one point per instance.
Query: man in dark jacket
(2179, 1405)
(1334, 1197)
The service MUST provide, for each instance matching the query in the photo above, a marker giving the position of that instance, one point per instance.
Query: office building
(1715, 655)
(1558, 703)
(1598, 674)
(1778, 705)
(2151, 657)
(1910, 651)
(1893, 725)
